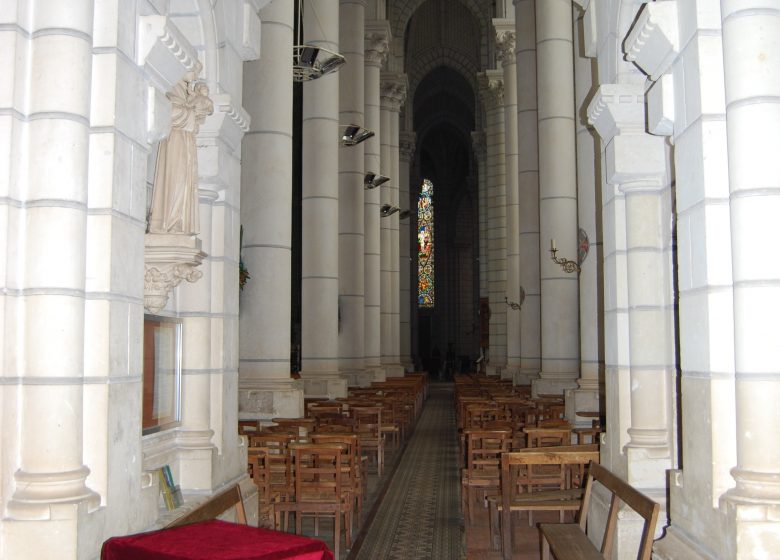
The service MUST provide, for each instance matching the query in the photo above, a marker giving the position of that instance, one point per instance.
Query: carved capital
(393, 90)
(491, 88)
(377, 42)
(617, 109)
(406, 145)
(169, 259)
(654, 42)
(505, 40)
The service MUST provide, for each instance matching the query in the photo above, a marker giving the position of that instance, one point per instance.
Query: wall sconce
(373, 180)
(353, 135)
(514, 305)
(567, 265)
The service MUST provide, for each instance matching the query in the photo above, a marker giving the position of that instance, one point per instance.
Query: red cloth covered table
(214, 540)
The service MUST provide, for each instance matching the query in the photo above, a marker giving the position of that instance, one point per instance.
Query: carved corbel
(654, 42)
(169, 259)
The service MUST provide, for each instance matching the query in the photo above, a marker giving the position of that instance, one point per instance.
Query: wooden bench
(214, 507)
(520, 483)
(568, 541)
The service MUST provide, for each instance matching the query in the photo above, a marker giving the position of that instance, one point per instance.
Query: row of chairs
(318, 465)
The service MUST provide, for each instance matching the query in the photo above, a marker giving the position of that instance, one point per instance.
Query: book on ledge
(170, 492)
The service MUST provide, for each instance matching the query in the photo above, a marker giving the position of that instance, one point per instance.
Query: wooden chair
(483, 465)
(321, 487)
(568, 541)
(351, 463)
(547, 436)
(272, 487)
(368, 426)
(520, 487)
(214, 507)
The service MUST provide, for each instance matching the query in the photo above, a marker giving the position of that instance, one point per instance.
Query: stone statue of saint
(174, 206)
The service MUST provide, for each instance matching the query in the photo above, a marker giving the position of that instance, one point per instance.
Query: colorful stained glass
(425, 283)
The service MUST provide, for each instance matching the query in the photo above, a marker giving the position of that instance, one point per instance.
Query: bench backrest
(621, 492)
(214, 507)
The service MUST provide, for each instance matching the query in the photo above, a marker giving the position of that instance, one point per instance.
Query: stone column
(586, 397)
(320, 213)
(351, 198)
(505, 46)
(44, 306)
(406, 153)
(491, 90)
(528, 186)
(557, 197)
(266, 389)
(377, 35)
(480, 156)
(393, 93)
(752, 79)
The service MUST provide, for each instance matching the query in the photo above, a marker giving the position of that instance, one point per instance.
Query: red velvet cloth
(214, 540)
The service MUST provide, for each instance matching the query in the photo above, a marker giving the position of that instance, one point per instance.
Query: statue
(174, 206)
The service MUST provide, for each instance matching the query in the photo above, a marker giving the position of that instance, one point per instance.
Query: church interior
(219, 216)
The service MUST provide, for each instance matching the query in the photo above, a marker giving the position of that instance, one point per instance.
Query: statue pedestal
(169, 258)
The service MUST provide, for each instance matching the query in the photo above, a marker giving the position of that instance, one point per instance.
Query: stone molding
(37, 492)
(617, 109)
(660, 107)
(169, 259)
(654, 42)
(491, 88)
(505, 40)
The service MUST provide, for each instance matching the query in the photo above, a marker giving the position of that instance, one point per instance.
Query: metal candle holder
(567, 265)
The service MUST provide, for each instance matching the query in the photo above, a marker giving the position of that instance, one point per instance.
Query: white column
(44, 212)
(351, 198)
(266, 389)
(557, 197)
(393, 93)
(407, 290)
(320, 213)
(505, 46)
(752, 78)
(376, 43)
(492, 91)
(528, 186)
(586, 397)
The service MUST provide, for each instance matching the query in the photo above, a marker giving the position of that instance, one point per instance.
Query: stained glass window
(425, 283)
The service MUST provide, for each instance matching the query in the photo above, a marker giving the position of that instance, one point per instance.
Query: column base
(675, 545)
(545, 386)
(495, 370)
(263, 400)
(581, 400)
(525, 377)
(56, 536)
(752, 525)
(377, 372)
(358, 377)
(324, 386)
(393, 370)
(38, 495)
(647, 466)
(509, 372)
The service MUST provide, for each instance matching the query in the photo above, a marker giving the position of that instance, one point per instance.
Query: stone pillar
(406, 152)
(351, 199)
(703, 264)
(528, 186)
(586, 397)
(557, 197)
(320, 213)
(393, 93)
(752, 79)
(505, 46)
(266, 389)
(377, 36)
(491, 90)
(44, 309)
(480, 155)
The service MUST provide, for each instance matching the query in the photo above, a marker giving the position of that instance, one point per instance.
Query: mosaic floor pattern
(419, 517)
